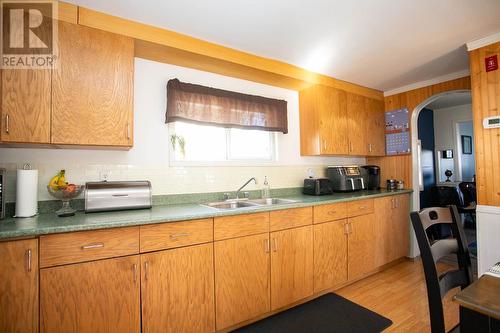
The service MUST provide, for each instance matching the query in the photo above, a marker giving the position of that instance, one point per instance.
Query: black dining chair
(468, 190)
(431, 252)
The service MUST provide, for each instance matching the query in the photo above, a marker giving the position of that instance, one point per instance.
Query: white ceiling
(382, 44)
(449, 100)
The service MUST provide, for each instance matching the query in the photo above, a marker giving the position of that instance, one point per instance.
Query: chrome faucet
(248, 181)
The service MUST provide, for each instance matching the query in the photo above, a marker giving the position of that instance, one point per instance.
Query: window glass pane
(202, 143)
(250, 145)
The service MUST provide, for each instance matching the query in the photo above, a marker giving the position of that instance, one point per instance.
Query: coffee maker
(371, 175)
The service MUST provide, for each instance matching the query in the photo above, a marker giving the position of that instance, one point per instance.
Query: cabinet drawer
(60, 249)
(332, 212)
(240, 225)
(169, 235)
(360, 207)
(290, 218)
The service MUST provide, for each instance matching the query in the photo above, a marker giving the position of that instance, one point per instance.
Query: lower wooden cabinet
(291, 266)
(361, 245)
(97, 296)
(242, 270)
(330, 254)
(178, 290)
(19, 286)
(392, 228)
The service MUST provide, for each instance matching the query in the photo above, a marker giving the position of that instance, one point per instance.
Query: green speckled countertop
(50, 223)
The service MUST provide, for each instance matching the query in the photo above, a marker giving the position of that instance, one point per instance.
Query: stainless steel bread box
(117, 195)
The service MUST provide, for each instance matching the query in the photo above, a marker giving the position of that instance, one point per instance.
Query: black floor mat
(329, 313)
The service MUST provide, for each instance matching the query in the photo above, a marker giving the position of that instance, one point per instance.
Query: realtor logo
(28, 34)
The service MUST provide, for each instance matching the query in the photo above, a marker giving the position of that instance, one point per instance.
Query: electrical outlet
(104, 175)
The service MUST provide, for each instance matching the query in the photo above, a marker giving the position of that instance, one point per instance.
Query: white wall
(149, 159)
(445, 135)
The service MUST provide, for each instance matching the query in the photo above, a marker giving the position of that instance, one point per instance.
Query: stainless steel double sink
(247, 203)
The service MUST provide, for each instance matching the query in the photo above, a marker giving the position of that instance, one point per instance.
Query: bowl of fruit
(60, 189)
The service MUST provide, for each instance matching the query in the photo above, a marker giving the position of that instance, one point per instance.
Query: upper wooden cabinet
(92, 88)
(19, 286)
(25, 105)
(333, 122)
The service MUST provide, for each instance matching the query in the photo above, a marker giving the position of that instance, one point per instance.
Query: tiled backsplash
(168, 180)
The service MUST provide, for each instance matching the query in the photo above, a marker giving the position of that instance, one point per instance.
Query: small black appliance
(317, 186)
(371, 174)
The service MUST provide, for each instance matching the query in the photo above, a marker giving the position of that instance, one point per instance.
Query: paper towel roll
(27, 193)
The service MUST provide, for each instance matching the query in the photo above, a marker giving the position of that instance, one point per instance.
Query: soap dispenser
(266, 189)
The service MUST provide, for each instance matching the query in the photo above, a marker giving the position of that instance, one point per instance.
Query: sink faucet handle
(226, 196)
(246, 195)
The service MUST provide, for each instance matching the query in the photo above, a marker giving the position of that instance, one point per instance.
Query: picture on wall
(466, 145)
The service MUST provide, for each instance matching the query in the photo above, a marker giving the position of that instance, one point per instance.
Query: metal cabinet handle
(29, 256)
(7, 120)
(332, 212)
(392, 203)
(350, 146)
(266, 245)
(370, 147)
(275, 245)
(92, 246)
(146, 271)
(181, 234)
(346, 228)
(350, 228)
(396, 203)
(324, 144)
(135, 272)
(362, 207)
(128, 131)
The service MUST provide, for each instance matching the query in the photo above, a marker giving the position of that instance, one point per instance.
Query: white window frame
(273, 137)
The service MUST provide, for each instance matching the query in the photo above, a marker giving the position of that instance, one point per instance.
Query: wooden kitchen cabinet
(242, 271)
(361, 245)
(323, 121)
(92, 88)
(178, 290)
(334, 122)
(330, 254)
(26, 105)
(19, 286)
(97, 296)
(391, 228)
(291, 266)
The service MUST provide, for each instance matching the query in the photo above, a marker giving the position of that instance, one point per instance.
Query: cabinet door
(97, 296)
(361, 245)
(332, 107)
(26, 105)
(356, 112)
(401, 226)
(92, 90)
(241, 279)
(375, 123)
(383, 230)
(330, 254)
(178, 290)
(291, 266)
(19, 286)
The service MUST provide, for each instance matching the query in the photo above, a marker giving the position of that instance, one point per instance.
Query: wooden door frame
(415, 204)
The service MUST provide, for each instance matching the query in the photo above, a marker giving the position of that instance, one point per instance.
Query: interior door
(97, 296)
(361, 245)
(242, 270)
(19, 286)
(291, 266)
(178, 290)
(330, 254)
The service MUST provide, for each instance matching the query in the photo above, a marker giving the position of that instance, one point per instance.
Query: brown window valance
(196, 103)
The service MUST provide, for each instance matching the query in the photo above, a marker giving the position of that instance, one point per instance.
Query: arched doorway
(415, 157)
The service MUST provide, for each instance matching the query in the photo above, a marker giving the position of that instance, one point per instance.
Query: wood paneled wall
(486, 103)
(400, 167)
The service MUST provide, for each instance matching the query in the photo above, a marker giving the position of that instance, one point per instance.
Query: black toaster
(317, 186)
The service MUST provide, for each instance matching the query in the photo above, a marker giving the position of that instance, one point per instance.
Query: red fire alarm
(491, 63)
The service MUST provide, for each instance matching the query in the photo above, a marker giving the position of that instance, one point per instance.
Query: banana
(58, 181)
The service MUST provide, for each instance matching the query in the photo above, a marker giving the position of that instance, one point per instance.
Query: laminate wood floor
(399, 293)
